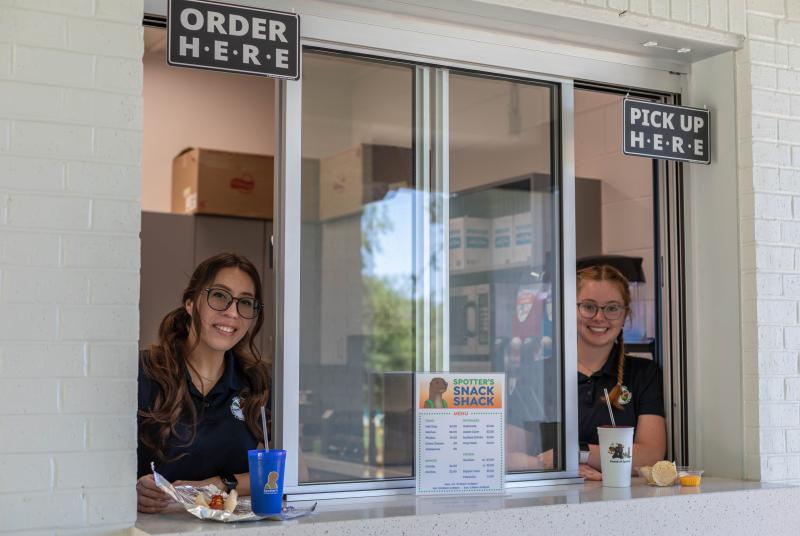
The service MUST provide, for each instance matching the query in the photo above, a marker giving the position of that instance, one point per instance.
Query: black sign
(665, 131)
(223, 37)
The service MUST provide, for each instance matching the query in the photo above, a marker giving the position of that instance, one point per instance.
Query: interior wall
(627, 187)
(196, 108)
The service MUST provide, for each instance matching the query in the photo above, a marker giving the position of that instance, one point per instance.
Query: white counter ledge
(719, 506)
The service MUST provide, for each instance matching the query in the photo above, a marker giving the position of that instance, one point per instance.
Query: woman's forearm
(243, 484)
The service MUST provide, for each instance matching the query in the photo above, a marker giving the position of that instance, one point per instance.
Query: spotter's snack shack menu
(460, 425)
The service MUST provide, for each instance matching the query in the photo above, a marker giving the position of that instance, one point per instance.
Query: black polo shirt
(641, 377)
(222, 438)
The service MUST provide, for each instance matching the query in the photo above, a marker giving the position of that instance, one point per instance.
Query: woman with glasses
(201, 386)
(634, 384)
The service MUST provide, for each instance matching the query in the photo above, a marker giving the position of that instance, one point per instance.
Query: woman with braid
(634, 384)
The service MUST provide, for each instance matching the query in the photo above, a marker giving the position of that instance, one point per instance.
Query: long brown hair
(612, 275)
(165, 362)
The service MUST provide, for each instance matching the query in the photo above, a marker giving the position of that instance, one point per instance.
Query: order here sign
(665, 131)
(224, 37)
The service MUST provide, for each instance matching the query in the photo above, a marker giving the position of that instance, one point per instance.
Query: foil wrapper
(186, 495)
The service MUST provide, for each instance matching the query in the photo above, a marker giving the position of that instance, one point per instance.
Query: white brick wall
(70, 128)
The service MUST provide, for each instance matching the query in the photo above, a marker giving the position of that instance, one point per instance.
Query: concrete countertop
(719, 506)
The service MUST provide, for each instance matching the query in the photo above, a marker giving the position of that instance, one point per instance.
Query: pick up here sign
(665, 131)
(224, 37)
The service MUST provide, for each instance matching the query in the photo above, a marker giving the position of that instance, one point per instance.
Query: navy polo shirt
(222, 438)
(641, 377)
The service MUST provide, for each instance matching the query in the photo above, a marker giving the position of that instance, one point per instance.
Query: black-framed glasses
(220, 299)
(612, 311)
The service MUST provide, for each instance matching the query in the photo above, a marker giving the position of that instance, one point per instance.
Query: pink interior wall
(195, 108)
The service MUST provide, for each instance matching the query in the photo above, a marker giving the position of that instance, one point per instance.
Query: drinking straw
(264, 427)
(608, 403)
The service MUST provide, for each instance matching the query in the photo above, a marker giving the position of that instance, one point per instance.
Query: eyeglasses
(220, 300)
(611, 311)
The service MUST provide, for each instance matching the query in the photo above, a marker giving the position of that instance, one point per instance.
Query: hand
(589, 473)
(149, 498)
(545, 459)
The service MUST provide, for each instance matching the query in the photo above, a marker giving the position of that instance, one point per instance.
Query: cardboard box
(502, 241)
(524, 239)
(469, 244)
(361, 175)
(205, 181)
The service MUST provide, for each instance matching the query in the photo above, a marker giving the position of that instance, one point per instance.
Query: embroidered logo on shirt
(236, 408)
(625, 396)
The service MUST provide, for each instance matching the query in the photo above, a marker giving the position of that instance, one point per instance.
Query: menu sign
(664, 131)
(460, 422)
(225, 37)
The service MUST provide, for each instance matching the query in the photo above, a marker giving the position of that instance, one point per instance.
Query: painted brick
(794, 57)
(28, 322)
(106, 38)
(770, 389)
(768, 284)
(5, 136)
(778, 414)
(113, 360)
(41, 212)
(618, 5)
(44, 286)
(760, 26)
(102, 108)
(28, 101)
(114, 288)
(796, 208)
(52, 66)
(95, 469)
(5, 60)
(29, 249)
(769, 7)
(40, 433)
(109, 505)
(24, 511)
(771, 338)
(789, 180)
(774, 468)
(28, 396)
(792, 388)
(100, 252)
(792, 337)
(767, 231)
(118, 146)
(764, 128)
(598, 3)
(791, 286)
(641, 7)
(120, 75)
(33, 28)
(788, 32)
(761, 52)
(788, 80)
(737, 22)
(770, 103)
(777, 312)
(772, 441)
(777, 362)
(111, 433)
(31, 174)
(103, 179)
(67, 7)
(764, 76)
(773, 206)
(100, 323)
(793, 441)
(790, 232)
(796, 156)
(98, 396)
(25, 472)
(31, 360)
(718, 10)
(43, 139)
(772, 153)
(119, 10)
(116, 216)
(793, 10)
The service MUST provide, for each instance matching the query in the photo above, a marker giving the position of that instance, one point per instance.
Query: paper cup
(266, 480)
(616, 455)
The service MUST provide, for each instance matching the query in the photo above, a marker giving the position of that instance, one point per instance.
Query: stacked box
(469, 244)
(502, 241)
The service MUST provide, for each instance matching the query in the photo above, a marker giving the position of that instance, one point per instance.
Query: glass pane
(357, 343)
(504, 255)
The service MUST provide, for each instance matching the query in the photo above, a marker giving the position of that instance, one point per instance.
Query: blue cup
(266, 480)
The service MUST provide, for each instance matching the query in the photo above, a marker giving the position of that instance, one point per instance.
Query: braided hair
(612, 275)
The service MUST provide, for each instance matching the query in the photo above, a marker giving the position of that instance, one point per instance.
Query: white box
(469, 244)
(502, 241)
(523, 239)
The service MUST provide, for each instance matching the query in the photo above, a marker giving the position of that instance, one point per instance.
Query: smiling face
(437, 387)
(222, 330)
(598, 331)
